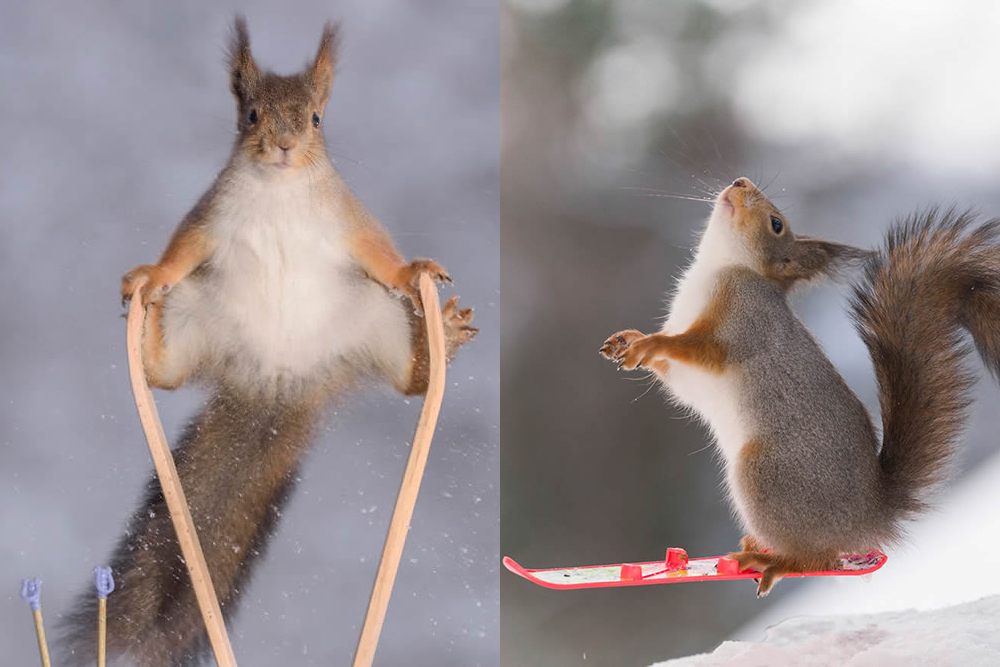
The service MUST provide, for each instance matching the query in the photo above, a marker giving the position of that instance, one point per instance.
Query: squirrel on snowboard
(805, 468)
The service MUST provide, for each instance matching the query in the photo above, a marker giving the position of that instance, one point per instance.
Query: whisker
(652, 383)
(771, 182)
(657, 191)
(657, 194)
(699, 450)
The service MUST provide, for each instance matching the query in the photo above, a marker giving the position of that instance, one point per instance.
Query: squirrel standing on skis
(280, 290)
(804, 466)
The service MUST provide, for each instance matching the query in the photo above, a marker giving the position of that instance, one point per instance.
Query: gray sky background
(116, 117)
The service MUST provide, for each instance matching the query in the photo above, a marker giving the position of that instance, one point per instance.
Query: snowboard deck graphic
(677, 567)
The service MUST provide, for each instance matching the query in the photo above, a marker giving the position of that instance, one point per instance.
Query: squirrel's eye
(252, 116)
(315, 119)
(776, 224)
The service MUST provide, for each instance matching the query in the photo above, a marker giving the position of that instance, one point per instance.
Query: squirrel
(805, 469)
(279, 290)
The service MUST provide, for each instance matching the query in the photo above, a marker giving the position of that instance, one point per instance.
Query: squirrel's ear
(243, 73)
(323, 68)
(813, 258)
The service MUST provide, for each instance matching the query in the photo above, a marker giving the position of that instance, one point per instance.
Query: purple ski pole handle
(104, 582)
(31, 592)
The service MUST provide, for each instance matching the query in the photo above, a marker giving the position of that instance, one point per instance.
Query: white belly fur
(712, 396)
(285, 296)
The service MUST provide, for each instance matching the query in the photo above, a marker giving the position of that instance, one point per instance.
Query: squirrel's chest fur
(713, 396)
(280, 293)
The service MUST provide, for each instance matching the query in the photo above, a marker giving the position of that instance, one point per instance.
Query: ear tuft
(243, 73)
(813, 258)
(324, 66)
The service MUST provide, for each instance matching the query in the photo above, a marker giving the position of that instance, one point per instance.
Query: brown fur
(783, 257)
(697, 346)
(755, 555)
(234, 507)
(935, 276)
(616, 345)
(811, 259)
(750, 543)
(773, 566)
(153, 353)
(188, 248)
(238, 459)
(458, 331)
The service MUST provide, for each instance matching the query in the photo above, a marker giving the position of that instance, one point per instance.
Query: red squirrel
(805, 468)
(280, 291)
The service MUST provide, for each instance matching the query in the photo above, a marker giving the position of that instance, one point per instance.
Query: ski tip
(512, 566)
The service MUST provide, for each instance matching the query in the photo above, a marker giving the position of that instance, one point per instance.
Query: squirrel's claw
(408, 280)
(451, 311)
(153, 289)
(457, 323)
(618, 346)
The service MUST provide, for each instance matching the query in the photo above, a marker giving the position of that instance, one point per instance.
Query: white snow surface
(959, 542)
(921, 608)
(967, 634)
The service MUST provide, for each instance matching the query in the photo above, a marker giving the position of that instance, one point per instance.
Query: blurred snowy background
(851, 113)
(115, 118)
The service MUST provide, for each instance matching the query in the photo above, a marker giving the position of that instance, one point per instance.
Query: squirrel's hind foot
(458, 329)
(773, 567)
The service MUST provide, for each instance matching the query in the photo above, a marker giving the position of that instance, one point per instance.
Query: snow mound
(967, 634)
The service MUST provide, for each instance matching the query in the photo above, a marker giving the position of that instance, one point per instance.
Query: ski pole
(31, 592)
(104, 583)
(173, 493)
(364, 655)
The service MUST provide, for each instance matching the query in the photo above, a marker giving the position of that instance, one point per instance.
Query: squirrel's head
(280, 118)
(752, 231)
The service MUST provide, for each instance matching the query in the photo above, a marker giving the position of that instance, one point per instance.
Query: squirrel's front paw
(154, 289)
(618, 343)
(408, 278)
(633, 351)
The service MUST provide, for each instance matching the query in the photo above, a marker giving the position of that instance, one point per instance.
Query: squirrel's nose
(286, 143)
(740, 183)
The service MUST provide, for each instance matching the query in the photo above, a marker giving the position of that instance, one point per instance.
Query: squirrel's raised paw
(617, 344)
(458, 329)
(408, 279)
(648, 352)
(154, 288)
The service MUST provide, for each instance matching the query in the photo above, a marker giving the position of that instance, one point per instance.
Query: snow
(967, 634)
(963, 530)
(938, 599)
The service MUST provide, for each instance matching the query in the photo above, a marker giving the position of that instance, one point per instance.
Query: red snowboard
(676, 568)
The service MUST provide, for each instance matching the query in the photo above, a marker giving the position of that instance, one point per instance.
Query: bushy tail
(937, 275)
(237, 462)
